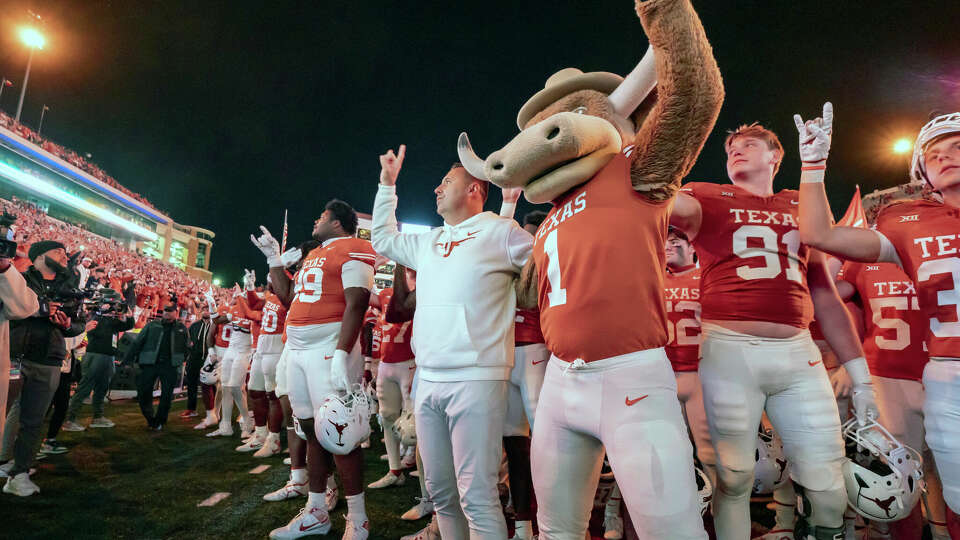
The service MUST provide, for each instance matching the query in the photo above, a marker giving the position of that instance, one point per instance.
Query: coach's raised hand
(815, 138)
(269, 246)
(390, 164)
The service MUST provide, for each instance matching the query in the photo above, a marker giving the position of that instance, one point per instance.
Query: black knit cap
(43, 246)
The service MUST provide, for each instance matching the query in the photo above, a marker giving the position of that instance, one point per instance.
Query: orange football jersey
(927, 237)
(600, 260)
(394, 342)
(681, 295)
(527, 326)
(753, 266)
(318, 288)
(895, 326)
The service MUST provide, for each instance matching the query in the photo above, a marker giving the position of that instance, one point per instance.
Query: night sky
(224, 113)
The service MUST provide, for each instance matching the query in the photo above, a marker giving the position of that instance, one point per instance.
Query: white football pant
(743, 375)
(393, 395)
(233, 371)
(459, 434)
(690, 394)
(308, 369)
(941, 419)
(263, 367)
(627, 405)
(523, 392)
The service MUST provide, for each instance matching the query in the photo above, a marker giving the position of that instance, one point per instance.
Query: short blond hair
(757, 131)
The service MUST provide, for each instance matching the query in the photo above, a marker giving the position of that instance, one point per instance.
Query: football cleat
(72, 426)
(271, 446)
(290, 490)
(356, 530)
(612, 527)
(306, 523)
(220, 432)
(207, 422)
(430, 532)
(421, 510)
(251, 444)
(21, 486)
(388, 480)
(101, 422)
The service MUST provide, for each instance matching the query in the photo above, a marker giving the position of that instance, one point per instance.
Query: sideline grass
(126, 482)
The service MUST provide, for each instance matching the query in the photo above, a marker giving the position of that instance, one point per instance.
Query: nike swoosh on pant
(630, 402)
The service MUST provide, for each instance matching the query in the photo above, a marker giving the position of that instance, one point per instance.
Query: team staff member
(98, 367)
(196, 356)
(463, 337)
(160, 348)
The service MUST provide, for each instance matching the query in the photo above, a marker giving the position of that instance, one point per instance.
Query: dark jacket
(37, 339)
(147, 347)
(197, 343)
(100, 340)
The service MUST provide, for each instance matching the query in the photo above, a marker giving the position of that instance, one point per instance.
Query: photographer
(16, 302)
(160, 348)
(111, 318)
(38, 342)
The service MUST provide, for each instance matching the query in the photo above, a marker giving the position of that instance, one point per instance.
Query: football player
(760, 288)
(394, 378)
(269, 314)
(921, 238)
(463, 335)
(233, 369)
(327, 303)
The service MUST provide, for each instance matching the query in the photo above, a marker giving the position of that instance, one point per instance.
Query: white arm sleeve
(888, 253)
(386, 238)
(508, 209)
(356, 274)
(519, 246)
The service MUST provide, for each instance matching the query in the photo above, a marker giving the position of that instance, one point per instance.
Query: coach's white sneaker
(220, 432)
(430, 532)
(307, 523)
(290, 490)
(271, 446)
(21, 486)
(356, 530)
(422, 509)
(612, 527)
(252, 444)
(332, 495)
(388, 480)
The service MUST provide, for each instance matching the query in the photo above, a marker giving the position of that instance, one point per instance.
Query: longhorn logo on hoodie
(447, 247)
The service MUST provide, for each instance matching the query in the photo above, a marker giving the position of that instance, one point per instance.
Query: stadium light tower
(33, 40)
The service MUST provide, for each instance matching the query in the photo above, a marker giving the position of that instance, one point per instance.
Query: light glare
(32, 38)
(902, 146)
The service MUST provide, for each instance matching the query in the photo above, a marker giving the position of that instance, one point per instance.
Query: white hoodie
(463, 324)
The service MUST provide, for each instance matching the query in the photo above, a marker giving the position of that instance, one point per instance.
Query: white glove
(815, 138)
(269, 246)
(249, 279)
(211, 301)
(864, 402)
(291, 257)
(212, 354)
(338, 371)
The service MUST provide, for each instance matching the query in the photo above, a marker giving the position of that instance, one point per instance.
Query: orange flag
(855, 217)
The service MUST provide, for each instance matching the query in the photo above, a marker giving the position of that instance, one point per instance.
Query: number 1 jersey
(600, 261)
(753, 266)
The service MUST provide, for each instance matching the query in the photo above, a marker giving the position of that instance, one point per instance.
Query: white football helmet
(342, 422)
(884, 478)
(210, 372)
(704, 490)
(939, 126)
(406, 428)
(770, 471)
(298, 429)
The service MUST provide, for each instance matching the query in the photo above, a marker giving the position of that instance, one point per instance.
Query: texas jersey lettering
(318, 286)
(596, 249)
(927, 237)
(681, 296)
(750, 252)
(894, 325)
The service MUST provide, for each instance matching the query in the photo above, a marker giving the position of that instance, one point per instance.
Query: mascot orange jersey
(394, 337)
(588, 252)
(318, 289)
(681, 295)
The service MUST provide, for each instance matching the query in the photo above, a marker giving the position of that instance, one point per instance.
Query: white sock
(299, 476)
(356, 509)
(315, 500)
(261, 432)
(211, 417)
(226, 409)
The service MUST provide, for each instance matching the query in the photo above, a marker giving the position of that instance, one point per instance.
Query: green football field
(126, 482)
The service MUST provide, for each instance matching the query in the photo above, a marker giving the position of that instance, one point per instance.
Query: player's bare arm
(830, 311)
(686, 215)
(404, 301)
